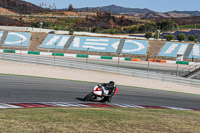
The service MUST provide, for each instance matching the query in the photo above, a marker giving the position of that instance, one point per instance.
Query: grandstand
(95, 44)
(195, 53)
(55, 41)
(98, 45)
(1, 33)
(17, 39)
(171, 49)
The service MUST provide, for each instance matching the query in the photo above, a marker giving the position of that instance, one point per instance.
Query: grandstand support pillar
(158, 34)
(118, 59)
(177, 68)
(87, 55)
(55, 53)
(21, 49)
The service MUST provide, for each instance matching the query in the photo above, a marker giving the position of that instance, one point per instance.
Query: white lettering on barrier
(63, 41)
(93, 47)
(97, 40)
(94, 43)
(196, 50)
(22, 38)
(76, 42)
(182, 49)
(52, 41)
(115, 45)
(171, 49)
(140, 46)
(1, 35)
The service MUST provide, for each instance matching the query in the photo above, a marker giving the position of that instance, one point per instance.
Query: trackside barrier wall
(182, 62)
(92, 56)
(82, 55)
(9, 51)
(159, 61)
(102, 68)
(58, 54)
(34, 52)
(107, 57)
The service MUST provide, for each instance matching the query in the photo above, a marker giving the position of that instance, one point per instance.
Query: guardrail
(103, 68)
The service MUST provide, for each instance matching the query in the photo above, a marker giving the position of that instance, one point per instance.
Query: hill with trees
(20, 6)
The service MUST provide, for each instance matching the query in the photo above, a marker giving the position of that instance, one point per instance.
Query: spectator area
(52, 41)
(17, 39)
(95, 44)
(195, 53)
(136, 47)
(1, 34)
(171, 49)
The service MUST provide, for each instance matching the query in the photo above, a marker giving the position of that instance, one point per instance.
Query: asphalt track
(30, 89)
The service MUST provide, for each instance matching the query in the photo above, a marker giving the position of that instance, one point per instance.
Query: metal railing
(189, 69)
(95, 67)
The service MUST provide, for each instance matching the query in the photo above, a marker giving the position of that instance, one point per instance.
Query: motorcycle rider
(111, 87)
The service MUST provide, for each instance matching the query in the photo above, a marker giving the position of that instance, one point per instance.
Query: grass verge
(118, 120)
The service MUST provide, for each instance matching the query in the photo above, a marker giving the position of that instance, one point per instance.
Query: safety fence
(94, 56)
(95, 67)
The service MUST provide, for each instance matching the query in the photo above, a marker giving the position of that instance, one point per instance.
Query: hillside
(153, 15)
(115, 9)
(192, 13)
(144, 13)
(105, 20)
(20, 6)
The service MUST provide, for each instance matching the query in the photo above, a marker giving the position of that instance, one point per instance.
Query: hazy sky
(156, 5)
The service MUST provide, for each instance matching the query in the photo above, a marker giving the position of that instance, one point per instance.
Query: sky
(156, 5)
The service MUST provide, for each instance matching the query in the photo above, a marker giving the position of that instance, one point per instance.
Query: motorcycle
(100, 94)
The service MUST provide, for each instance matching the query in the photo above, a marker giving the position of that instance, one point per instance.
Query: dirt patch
(155, 47)
(6, 11)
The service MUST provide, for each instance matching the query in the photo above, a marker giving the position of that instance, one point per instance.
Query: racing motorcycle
(100, 94)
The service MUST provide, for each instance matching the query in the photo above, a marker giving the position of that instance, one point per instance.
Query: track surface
(29, 89)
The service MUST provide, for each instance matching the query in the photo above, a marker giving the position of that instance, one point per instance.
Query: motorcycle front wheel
(106, 99)
(90, 97)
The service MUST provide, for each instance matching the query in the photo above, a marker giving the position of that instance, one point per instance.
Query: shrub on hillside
(169, 37)
(191, 38)
(148, 35)
(181, 37)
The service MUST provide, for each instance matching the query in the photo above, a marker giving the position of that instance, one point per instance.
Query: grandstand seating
(1, 33)
(95, 44)
(51, 40)
(137, 47)
(17, 39)
(171, 49)
(195, 53)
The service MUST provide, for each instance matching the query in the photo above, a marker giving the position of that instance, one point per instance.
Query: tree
(148, 35)
(181, 37)
(71, 32)
(191, 38)
(112, 31)
(169, 37)
(70, 8)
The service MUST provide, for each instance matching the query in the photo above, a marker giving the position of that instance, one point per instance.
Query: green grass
(117, 120)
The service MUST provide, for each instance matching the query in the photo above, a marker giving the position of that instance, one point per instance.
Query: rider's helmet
(112, 84)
